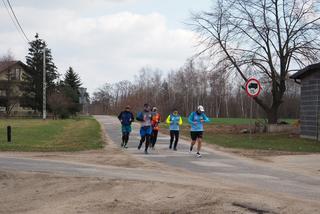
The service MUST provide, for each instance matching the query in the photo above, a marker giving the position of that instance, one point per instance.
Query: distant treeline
(221, 93)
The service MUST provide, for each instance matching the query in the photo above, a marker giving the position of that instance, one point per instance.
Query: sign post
(253, 89)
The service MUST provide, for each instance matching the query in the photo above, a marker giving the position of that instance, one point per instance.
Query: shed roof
(307, 70)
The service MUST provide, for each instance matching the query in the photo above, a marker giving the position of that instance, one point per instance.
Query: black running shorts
(195, 135)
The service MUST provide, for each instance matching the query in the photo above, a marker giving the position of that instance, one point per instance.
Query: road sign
(253, 87)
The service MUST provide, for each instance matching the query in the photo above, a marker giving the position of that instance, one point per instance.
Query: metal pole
(251, 101)
(317, 110)
(9, 134)
(44, 101)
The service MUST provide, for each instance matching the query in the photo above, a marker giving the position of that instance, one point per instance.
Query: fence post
(9, 134)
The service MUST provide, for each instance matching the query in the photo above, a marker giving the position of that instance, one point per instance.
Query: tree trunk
(272, 115)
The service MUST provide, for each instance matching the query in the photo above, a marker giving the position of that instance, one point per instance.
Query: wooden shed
(309, 78)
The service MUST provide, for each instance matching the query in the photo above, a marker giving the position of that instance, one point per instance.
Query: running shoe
(146, 152)
(139, 147)
(175, 149)
(198, 155)
(190, 151)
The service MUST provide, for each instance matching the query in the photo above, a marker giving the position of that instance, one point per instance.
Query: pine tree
(72, 79)
(72, 83)
(34, 60)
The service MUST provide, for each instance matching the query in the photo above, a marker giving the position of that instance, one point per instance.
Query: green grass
(264, 141)
(238, 121)
(51, 135)
(276, 142)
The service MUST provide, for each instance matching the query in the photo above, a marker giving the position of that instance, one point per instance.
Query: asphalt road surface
(217, 164)
(213, 165)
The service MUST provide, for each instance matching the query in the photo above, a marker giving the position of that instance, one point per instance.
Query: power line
(15, 23)
(17, 20)
(12, 19)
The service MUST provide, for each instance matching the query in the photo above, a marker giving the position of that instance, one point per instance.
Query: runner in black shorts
(195, 135)
(196, 119)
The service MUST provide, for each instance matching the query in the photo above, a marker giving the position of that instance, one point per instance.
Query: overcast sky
(105, 40)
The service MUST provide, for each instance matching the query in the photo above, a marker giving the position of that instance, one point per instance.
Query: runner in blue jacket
(175, 121)
(197, 119)
(126, 118)
(145, 118)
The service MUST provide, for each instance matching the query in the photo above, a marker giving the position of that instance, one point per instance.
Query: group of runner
(150, 119)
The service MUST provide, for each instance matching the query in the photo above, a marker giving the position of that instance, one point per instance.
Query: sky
(105, 40)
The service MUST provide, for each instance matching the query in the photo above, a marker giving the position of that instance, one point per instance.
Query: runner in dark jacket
(126, 118)
(146, 130)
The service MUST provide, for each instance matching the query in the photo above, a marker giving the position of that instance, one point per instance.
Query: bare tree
(192, 84)
(270, 37)
(104, 96)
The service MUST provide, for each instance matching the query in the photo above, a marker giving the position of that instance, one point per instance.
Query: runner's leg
(176, 134)
(147, 137)
(192, 144)
(171, 138)
(129, 129)
(123, 139)
(126, 139)
(154, 137)
(143, 138)
(193, 140)
(199, 144)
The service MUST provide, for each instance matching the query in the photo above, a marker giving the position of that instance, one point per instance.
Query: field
(218, 132)
(51, 135)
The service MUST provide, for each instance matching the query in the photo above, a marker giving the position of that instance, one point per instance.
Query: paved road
(213, 165)
(66, 168)
(217, 164)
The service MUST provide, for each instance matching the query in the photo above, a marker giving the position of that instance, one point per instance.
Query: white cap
(200, 108)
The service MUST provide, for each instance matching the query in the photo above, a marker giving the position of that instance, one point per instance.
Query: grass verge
(239, 121)
(51, 135)
(264, 141)
(271, 142)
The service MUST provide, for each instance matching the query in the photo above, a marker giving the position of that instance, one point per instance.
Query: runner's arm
(190, 118)
(206, 119)
(168, 120)
(119, 116)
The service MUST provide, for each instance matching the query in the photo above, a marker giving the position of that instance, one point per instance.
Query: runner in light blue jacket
(197, 119)
(175, 121)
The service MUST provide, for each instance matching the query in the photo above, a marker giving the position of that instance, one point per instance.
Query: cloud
(103, 48)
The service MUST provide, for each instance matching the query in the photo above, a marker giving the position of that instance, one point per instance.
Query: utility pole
(44, 84)
(82, 98)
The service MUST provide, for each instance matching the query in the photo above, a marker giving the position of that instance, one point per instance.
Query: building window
(15, 74)
(2, 93)
(18, 73)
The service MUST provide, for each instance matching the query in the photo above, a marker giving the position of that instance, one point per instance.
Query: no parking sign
(253, 87)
